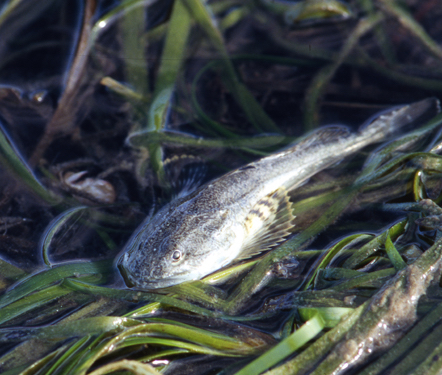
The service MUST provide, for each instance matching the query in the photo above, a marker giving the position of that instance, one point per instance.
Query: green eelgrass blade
(8, 9)
(374, 245)
(130, 295)
(46, 361)
(331, 316)
(28, 13)
(196, 340)
(317, 87)
(171, 62)
(11, 158)
(432, 365)
(31, 302)
(9, 271)
(393, 254)
(144, 138)
(52, 230)
(371, 279)
(411, 24)
(115, 14)
(132, 24)
(163, 354)
(134, 367)
(69, 353)
(42, 279)
(173, 52)
(330, 254)
(309, 358)
(80, 327)
(253, 111)
(288, 346)
(204, 294)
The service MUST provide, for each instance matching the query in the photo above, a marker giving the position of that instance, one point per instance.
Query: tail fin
(398, 119)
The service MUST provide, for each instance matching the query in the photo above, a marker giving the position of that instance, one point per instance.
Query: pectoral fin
(268, 223)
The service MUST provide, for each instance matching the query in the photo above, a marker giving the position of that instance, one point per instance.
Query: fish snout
(126, 275)
(143, 275)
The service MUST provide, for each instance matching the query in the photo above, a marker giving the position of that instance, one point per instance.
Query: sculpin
(244, 212)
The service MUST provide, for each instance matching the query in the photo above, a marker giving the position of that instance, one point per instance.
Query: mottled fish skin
(196, 235)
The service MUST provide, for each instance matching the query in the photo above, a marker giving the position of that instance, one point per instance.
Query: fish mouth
(134, 282)
(128, 279)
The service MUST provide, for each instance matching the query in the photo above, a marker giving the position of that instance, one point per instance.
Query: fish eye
(176, 256)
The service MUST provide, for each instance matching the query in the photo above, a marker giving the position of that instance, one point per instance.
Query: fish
(246, 211)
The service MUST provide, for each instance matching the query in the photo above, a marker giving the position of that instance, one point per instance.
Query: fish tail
(399, 119)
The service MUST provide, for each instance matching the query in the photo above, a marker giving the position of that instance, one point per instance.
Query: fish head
(174, 249)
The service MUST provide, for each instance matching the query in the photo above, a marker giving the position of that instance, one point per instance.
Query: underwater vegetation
(109, 110)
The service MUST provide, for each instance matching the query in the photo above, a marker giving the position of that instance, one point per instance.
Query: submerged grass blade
(174, 49)
(432, 364)
(372, 279)
(68, 354)
(330, 254)
(217, 341)
(9, 271)
(130, 295)
(132, 25)
(40, 365)
(202, 293)
(412, 25)
(11, 158)
(393, 254)
(171, 61)
(288, 346)
(309, 358)
(195, 340)
(141, 339)
(81, 327)
(253, 111)
(317, 87)
(138, 139)
(228, 273)
(134, 367)
(423, 356)
(331, 316)
(52, 230)
(31, 302)
(8, 9)
(115, 15)
(374, 245)
(163, 354)
(43, 279)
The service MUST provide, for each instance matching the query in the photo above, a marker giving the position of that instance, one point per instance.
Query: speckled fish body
(243, 212)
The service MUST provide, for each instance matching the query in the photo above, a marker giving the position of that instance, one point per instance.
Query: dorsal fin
(326, 135)
(267, 224)
(185, 173)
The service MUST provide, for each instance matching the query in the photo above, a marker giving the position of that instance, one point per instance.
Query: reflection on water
(110, 110)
